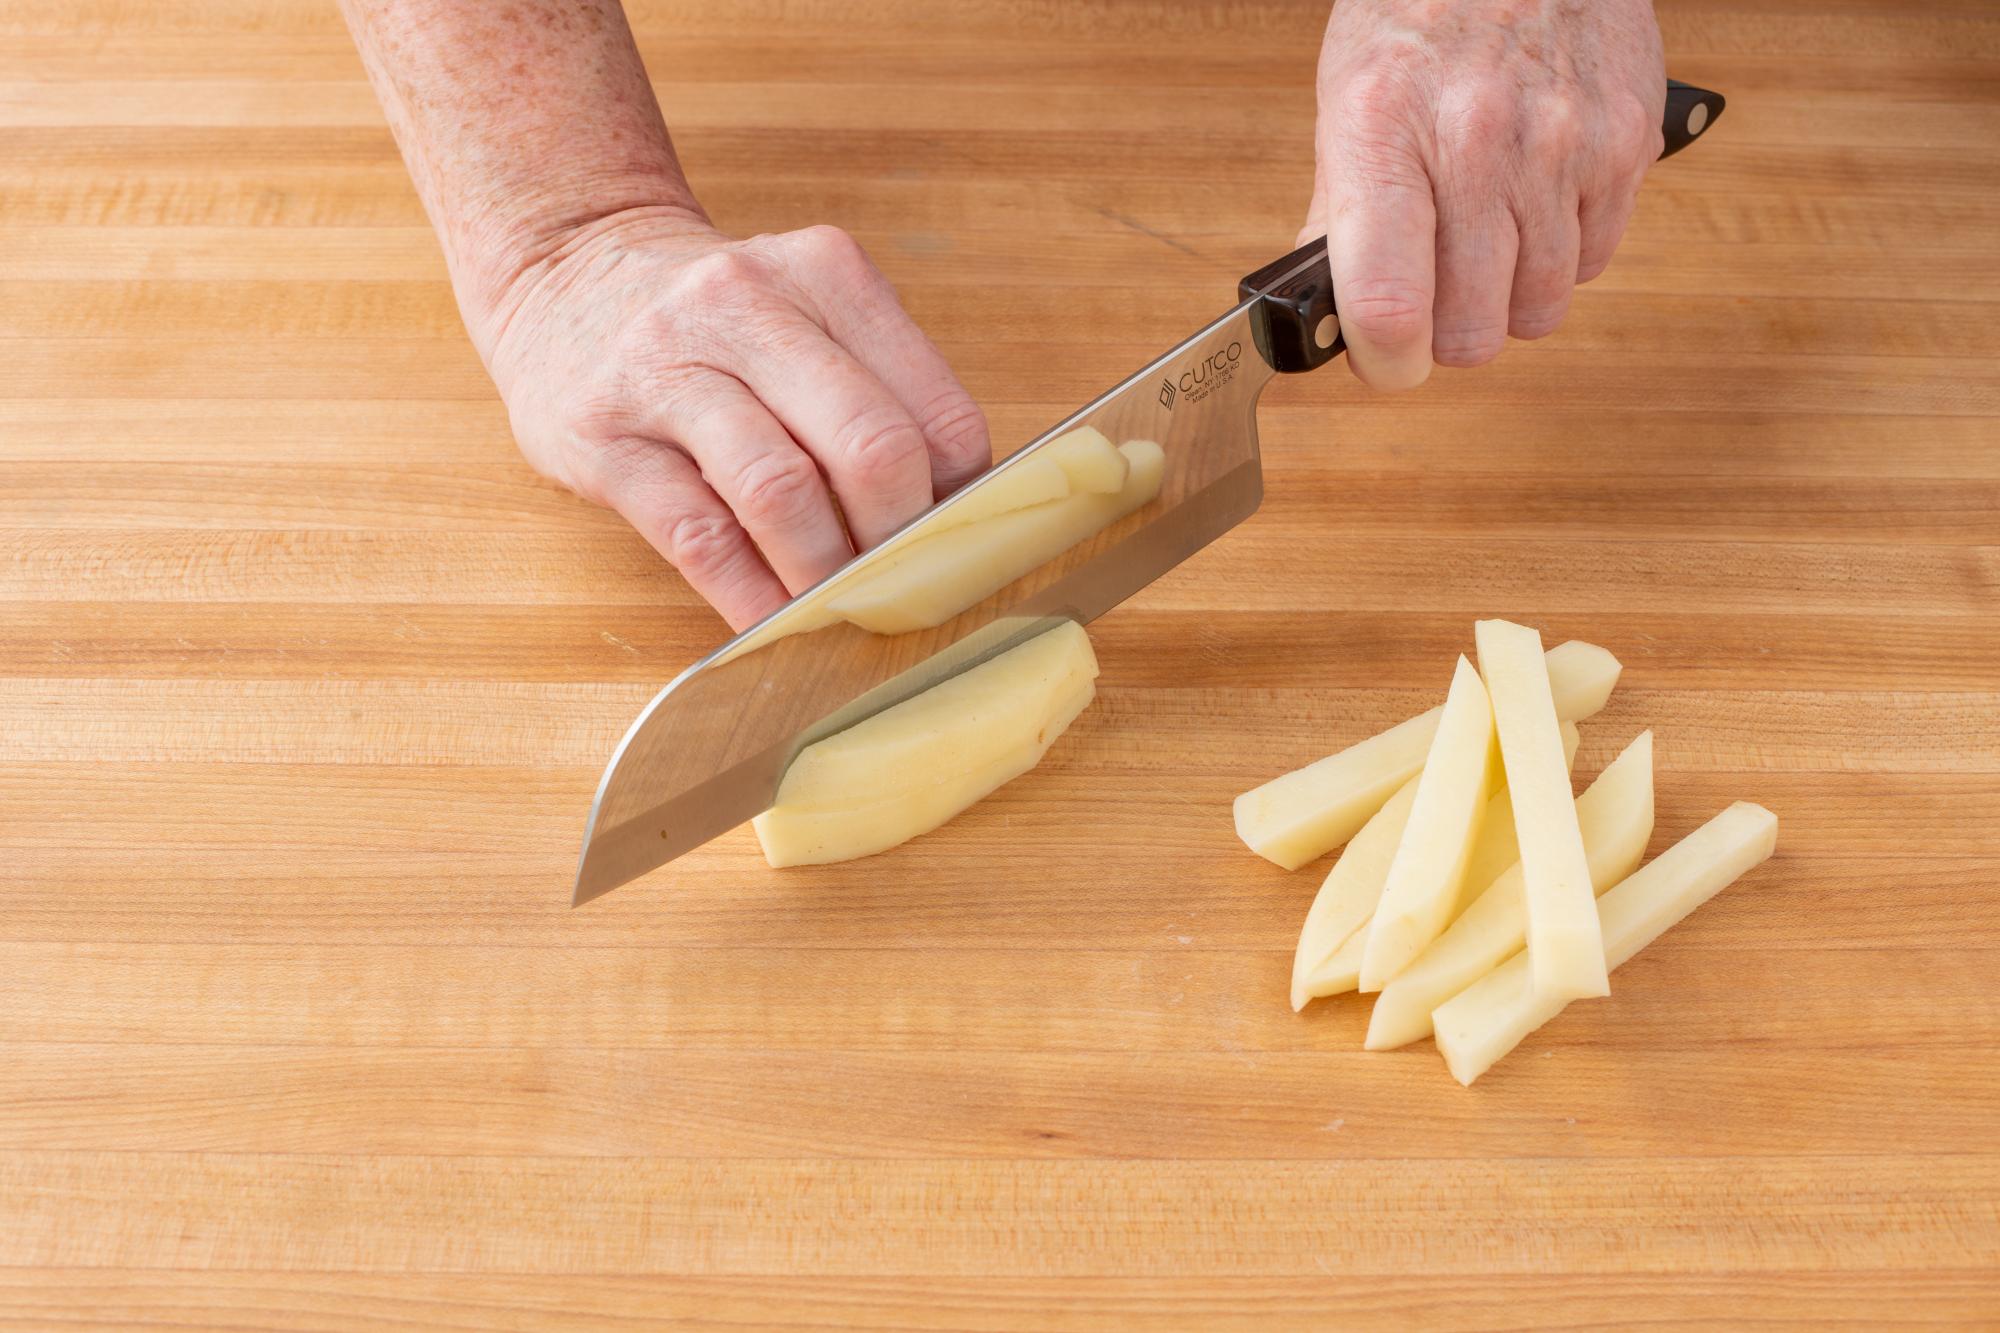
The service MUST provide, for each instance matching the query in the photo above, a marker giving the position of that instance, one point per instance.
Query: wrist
(497, 267)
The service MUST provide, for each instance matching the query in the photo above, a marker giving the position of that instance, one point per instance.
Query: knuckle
(877, 447)
(834, 248)
(1468, 345)
(1386, 311)
(957, 431)
(1480, 126)
(1536, 321)
(776, 488)
(721, 277)
(699, 543)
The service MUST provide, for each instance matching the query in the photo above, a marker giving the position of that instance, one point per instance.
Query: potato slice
(1565, 948)
(1423, 883)
(1031, 481)
(1092, 463)
(1308, 812)
(940, 576)
(1488, 1019)
(1498, 846)
(909, 768)
(1616, 816)
(965, 722)
(1328, 960)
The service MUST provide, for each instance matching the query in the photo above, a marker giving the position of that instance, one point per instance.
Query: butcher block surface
(306, 681)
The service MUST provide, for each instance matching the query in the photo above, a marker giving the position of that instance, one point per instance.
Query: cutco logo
(1204, 377)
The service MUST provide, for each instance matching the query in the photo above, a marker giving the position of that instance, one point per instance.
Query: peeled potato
(1486, 1020)
(1616, 816)
(1565, 947)
(1031, 481)
(1090, 461)
(1422, 887)
(1310, 811)
(940, 576)
(1328, 960)
(910, 768)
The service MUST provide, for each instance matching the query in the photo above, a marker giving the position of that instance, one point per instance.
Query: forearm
(521, 124)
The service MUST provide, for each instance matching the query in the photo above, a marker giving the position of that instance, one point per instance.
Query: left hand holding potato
(1476, 160)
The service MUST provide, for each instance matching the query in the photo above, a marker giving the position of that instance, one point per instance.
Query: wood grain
(305, 681)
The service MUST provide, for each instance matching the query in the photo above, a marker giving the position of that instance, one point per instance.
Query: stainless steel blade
(710, 749)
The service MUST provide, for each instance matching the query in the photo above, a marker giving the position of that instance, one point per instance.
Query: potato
(938, 577)
(1489, 1018)
(1310, 811)
(1091, 463)
(1498, 847)
(1616, 817)
(1565, 949)
(911, 767)
(1328, 960)
(1423, 883)
(1031, 481)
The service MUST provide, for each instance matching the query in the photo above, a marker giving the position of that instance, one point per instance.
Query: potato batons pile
(1476, 895)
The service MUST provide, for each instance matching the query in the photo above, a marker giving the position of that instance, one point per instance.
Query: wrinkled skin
(723, 395)
(1476, 160)
(759, 409)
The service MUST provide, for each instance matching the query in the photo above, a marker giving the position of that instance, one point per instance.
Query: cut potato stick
(1021, 485)
(940, 576)
(1565, 947)
(909, 768)
(1328, 961)
(1346, 902)
(1308, 812)
(1489, 1018)
(1424, 879)
(1616, 816)
(1092, 463)
(1498, 847)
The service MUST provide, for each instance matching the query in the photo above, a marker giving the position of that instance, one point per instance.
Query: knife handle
(1295, 325)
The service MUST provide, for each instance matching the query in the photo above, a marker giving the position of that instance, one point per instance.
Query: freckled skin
(1476, 160)
(759, 409)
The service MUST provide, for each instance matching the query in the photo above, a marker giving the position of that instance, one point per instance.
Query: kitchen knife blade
(710, 749)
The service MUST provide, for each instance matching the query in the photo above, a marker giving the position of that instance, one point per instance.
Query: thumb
(1382, 246)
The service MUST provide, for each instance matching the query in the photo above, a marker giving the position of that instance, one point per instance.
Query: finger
(872, 452)
(657, 489)
(1381, 244)
(1476, 249)
(769, 483)
(1602, 221)
(1315, 207)
(1545, 271)
(865, 317)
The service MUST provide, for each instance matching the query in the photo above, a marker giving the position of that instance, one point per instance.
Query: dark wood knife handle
(1295, 324)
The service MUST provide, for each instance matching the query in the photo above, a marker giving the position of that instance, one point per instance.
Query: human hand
(722, 395)
(1476, 160)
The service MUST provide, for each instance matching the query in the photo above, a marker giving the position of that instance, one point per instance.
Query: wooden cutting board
(305, 682)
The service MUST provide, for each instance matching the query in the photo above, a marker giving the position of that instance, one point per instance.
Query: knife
(709, 751)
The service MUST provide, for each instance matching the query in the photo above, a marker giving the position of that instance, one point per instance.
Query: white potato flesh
(1328, 960)
(1497, 846)
(940, 576)
(964, 722)
(1323, 965)
(1616, 816)
(1031, 481)
(1308, 812)
(1092, 463)
(1565, 948)
(910, 768)
(1424, 879)
(1482, 1023)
